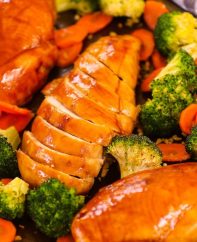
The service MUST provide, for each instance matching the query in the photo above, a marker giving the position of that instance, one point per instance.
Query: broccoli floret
(82, 6)
(12, 199)
(8, 160)
(191, 143)
(132, 8)
(52, 207)
(134, 153)
(155, 117)
(172, 92)
(173, 30)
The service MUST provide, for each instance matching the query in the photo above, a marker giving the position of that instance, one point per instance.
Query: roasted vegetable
(191, 143)
(131, 8)
(173, 30)
(12, 198)
(171, 91)
(82, 6)
(134, 153)
(9, 140)
(52, 207)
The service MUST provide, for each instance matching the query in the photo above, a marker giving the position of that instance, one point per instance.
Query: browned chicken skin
(27, 52)
(81, 113)
(153, 205)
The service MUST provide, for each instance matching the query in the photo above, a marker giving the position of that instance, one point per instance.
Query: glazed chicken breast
(153, 205)
(27, 51)
(81, 113)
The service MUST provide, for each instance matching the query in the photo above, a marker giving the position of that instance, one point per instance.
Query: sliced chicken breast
(109, 50)
(70, 164)
(62, 141)
(90, 65)
(93, 90)
(35, 173)
(61, 117)
(75, 101)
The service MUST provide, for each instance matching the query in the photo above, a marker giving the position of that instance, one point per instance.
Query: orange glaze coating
(27, 49)
(153, 205)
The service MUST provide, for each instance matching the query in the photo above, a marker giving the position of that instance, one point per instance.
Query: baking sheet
(25, 227)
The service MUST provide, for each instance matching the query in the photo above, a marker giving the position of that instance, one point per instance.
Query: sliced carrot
(145, 85)
(158, 60)
(68, 55)
(147, 42)
(196, 61)
(71, 35)
(5, 181)
(7, 231)
(9, 108)
(188, 118)
(88, 24)
(152, 11)
(11, 115)
(67, 238)
(173, 152)
(94, 22)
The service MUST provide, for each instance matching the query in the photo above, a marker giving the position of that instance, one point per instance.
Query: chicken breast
(70, 164)
(36, 173)
(59, 116)
(27, 49)
(59, 140)
(86, 108)
(153, 205)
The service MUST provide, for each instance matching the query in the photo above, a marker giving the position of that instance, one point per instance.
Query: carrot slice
(196, 61)
(5, 181)
(68, 55)
(76, 33)
(173, 152)
(94, 22)
(152, 11)
(188, 118)
(11, 115)
(70, 36)
(7, 231)
(158, 60)
(145, 85)
(67, 238)
(147, 42)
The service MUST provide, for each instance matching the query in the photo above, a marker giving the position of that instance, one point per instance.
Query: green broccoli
(172, 91)
(52, 207)
(174, 30)
(134, 153)
(82, 6)
(9, 140)
(131, 8)
(12, 199)
(191, 143)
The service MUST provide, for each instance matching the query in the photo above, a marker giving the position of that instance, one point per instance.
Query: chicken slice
(59, 116)
(35, 173)
(70, 164)
(97, 70)
(129, 67)
(152, 205)
(109, 50)
(62, 141)
(93, 90)
(74, 100)
(120, 54)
